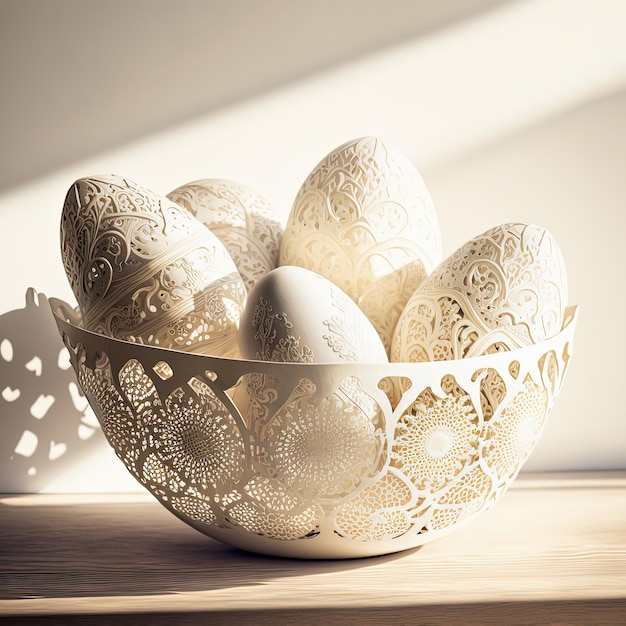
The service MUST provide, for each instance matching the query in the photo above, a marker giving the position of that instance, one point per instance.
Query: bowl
(323, 461)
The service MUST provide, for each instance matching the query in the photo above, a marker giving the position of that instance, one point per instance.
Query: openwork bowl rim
(221, 374)
(68, 317)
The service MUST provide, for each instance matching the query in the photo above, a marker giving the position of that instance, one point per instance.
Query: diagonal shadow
(222, 70)
(46, 425)
(131, 549)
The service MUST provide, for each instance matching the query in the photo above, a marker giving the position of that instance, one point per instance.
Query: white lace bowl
(316, 462)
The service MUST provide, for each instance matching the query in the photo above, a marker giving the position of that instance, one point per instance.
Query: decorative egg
(503, 289)
(243, 220)
(144, 269)
(293, 314)
(364, 219)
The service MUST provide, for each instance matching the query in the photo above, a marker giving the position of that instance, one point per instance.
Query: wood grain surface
(552, 551)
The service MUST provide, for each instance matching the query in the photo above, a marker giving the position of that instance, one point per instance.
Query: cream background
(512, 110)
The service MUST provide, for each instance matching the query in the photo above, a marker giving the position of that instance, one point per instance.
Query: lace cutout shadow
(46, 424)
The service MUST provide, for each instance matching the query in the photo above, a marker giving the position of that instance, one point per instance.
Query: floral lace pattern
(244, 221)
(364, 219)
(502, 290)
(435, 439)
(343, 335)
(323, 447)
(273, 334)
(142, 269)
(314, 460)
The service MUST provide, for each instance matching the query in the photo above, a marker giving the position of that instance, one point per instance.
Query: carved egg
(144, 269)
(243, 220)
(364, 219)
(293, 314)
(504, 289)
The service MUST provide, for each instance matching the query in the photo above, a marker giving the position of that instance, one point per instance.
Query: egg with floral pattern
(295, 315)
(242, 219)
(143, 269)
(364, 220)
(502, 290)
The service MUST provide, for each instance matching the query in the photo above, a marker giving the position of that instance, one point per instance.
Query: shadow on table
(119, 549)
(84, 549)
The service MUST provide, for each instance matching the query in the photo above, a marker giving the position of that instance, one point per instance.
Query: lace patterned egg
(504, 289)
(145, 270)
(364, 219)
(243, 220)
(293, 314)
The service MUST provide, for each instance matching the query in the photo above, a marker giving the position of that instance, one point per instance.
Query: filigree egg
(365, 220)
(243, 220)
(504, 289)
(144, 269)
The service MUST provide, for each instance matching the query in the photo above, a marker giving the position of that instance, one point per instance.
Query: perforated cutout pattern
(143, 269)
(365, 220)
(244, 221)
(502, 290)
(310, 460)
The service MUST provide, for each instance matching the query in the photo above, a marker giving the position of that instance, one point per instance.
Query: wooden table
(553, 551)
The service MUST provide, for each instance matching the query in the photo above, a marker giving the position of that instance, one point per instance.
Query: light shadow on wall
(217, 55)
(46, 425)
